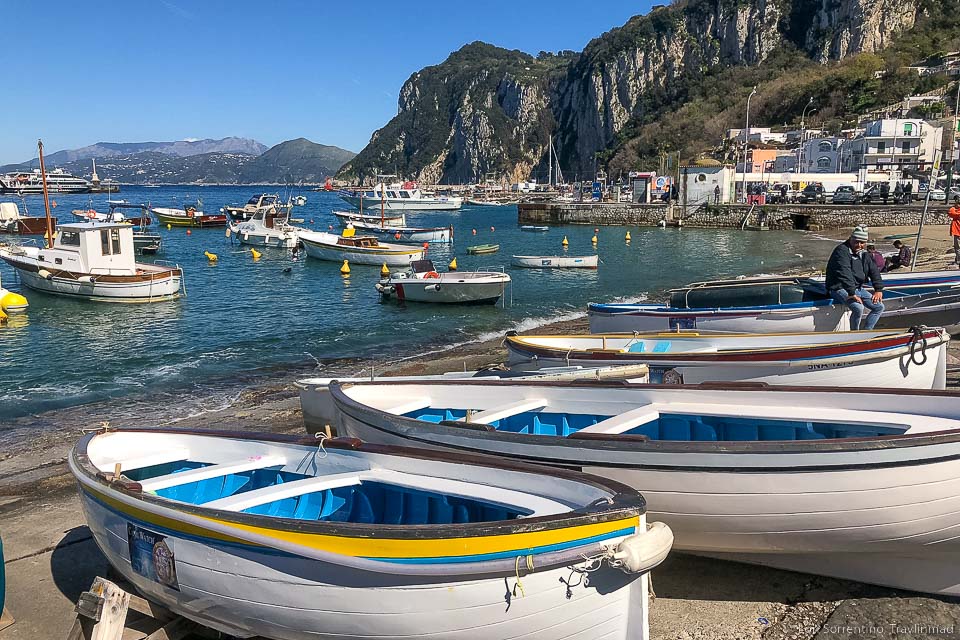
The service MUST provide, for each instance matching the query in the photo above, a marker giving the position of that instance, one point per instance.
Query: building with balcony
(897, 144)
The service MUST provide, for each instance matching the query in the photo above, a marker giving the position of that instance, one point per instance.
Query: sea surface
(247, 322)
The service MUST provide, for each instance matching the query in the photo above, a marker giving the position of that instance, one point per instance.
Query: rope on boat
(918, 339)
(321, 437)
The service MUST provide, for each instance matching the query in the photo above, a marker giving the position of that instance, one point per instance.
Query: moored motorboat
(860, 484)
(262, 202)
(278, 537)
(390, 219)
(819, 315)
(267, 227)
(115, 214)
(188, 216)
(96, 261)
(11, 221)
(555, 262)
(357, 249)
(895, 359)
(402, 233)
(422, 283)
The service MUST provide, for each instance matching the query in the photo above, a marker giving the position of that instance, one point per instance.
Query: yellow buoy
(345, 269)
(212, 257)
(3, 317)
(384, 271)
(628, 236)
(168, 226)
(564, 243)
(453, 265)
(11, 302)
(593, 239)
(256, 254)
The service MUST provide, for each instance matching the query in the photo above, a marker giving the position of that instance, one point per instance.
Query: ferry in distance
(31, 182)
(405, 197)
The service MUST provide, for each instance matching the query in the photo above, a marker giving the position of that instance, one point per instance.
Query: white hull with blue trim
(266, 536)
(896, 359)
(786, 318)
(858, 484)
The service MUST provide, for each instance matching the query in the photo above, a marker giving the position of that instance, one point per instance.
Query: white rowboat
(358, 249)
(556, 262)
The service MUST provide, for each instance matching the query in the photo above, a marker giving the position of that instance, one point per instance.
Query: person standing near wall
(954, 214)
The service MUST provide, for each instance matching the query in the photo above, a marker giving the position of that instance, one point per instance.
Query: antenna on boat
(383, 201)
(46, 197)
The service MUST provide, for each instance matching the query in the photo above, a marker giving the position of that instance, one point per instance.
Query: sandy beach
(50, 557)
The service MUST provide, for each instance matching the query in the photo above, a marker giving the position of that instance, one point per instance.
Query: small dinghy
(271, 536)
(896, 359)
(533, 228)
(555, 262)
(422, 283)
(479, 249)
(859, 484)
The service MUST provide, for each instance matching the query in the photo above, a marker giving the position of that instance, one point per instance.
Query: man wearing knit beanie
(848, 270)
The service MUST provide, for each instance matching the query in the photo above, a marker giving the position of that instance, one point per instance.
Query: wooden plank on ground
(113, 614)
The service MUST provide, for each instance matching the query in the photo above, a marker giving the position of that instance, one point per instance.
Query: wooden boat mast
(46, 197)
(383, 202)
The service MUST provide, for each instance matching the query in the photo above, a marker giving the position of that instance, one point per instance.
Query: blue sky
(138, 70)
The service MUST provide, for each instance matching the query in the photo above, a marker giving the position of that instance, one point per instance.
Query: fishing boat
(556, 262)
(397, 197)
(860, 484)
(896, 359)
(392, 219)
(534, 228)
(115, 214)
(278, 537)
(11, 221)
(259, 202)
(403, 233)
(95, 261)
(422, 283)
(318, 408)
(480, 249)
(188, 216)
(819, 315)
(357, 249)
(267, 227)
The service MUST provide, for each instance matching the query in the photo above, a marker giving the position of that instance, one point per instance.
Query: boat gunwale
(157, 272)
(624, 502)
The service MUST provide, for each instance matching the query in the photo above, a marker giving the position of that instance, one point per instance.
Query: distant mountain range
(226, 161)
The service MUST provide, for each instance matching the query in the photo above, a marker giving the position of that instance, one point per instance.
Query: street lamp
(746, 140)
(803, 116)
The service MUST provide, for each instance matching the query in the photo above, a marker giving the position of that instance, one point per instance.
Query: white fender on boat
(642, 552)
(87, 279)
(432, 287)
(46, 275)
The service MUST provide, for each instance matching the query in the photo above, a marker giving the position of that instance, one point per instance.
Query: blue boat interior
(658, 346)
(369, 502)
(673, 426)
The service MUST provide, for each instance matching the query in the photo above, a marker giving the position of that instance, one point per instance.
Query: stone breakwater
(792, 216)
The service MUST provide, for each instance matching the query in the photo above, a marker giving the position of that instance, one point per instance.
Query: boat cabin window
(254, 200)
(404, 194)
(369, 194)
(110, 242)
(391, 194)
(69, 239)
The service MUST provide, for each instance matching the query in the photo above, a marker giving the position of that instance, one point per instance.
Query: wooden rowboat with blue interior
(860, 484)
(267, 535)
(894, 359)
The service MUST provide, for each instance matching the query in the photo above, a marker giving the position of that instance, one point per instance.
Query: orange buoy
(596, 229)
(188, 231)
(426, 245)
(492, 229)
(474, 232)
(397, 235)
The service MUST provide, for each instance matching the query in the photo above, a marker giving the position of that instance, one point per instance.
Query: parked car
(777, 194)
(871, 195)
(813, 192)
(845, 194)
(936, 195)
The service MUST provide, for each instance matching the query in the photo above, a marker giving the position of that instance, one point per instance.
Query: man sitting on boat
(848, 269)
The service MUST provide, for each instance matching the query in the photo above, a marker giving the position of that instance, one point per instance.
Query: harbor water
(247, 322)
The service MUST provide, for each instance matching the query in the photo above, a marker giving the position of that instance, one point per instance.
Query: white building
(758, 134)
(900, 143)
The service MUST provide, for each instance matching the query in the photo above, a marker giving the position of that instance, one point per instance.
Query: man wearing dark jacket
(848, 270)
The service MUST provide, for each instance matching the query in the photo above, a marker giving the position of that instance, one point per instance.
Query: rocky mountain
(289, 162)
(668, 81)
(179, 148)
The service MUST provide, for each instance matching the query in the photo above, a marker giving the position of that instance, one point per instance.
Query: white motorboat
(278, 537)
(96, 261)
(861, 484)
(818, 315)
(115, 214)
(404, 234)
(422, 283)
(259, 202)
(267, 227)
(556, 262)
(357, 249)
(893, 359)
(392, 219)
(397, 197)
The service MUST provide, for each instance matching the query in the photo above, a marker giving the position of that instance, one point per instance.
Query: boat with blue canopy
(297, 538)
(860, 484)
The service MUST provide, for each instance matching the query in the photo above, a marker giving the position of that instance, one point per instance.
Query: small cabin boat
(480, 249)
(12, 222)
(259, 202)
(267, 228)
(859, 484)
(556, 262)
(295, 539)
(893, 359)
(188, 216)
(357, 249)
(96, 261)
(422, 283)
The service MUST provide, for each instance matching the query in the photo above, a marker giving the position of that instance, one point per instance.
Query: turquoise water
(246, 322)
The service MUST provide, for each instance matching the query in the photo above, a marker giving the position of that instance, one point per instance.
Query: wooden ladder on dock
(104, 613)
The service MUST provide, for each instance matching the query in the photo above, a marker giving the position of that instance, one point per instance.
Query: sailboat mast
(383, 202)
(46, 197)
(550, 170)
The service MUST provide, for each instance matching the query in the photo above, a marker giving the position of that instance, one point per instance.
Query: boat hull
(335, 253)
(406, 204)
(881, 510)
(555, 262)
(27, 226)
(644, 318)
(177, 218)
(445, 291)
(405, 234)
(393, 220)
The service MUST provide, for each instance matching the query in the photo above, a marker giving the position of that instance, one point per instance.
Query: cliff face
(490, 110)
